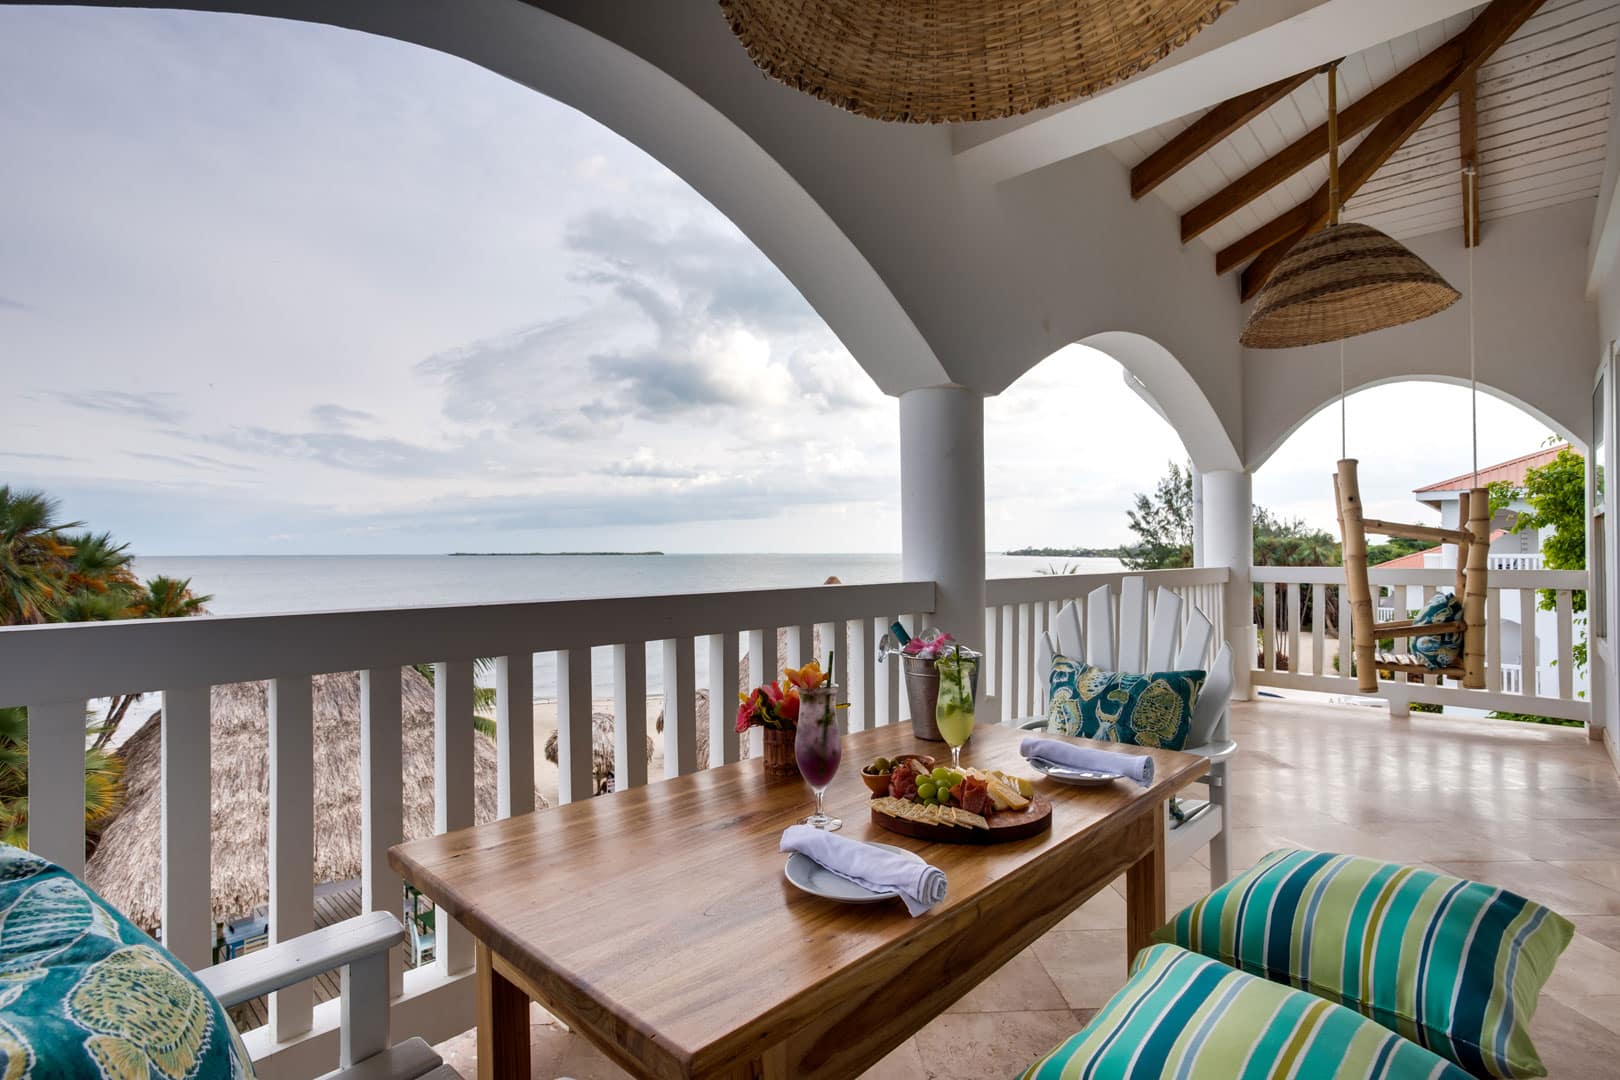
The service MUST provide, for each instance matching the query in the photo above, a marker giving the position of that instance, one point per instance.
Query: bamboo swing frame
(1473, 550)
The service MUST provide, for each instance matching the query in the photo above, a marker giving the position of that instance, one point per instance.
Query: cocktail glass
(953, 714)
(818, 748)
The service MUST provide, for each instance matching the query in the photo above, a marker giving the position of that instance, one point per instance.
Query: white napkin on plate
(1138, 767)
(899, 873)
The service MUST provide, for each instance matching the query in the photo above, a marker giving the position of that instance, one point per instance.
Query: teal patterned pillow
(1154, 709)
(83, 993)
(1439, 650)
(1192, 1018)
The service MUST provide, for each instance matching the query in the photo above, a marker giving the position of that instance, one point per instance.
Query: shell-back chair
(1145, 648)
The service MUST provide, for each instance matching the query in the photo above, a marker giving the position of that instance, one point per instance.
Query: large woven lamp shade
(1346, 280)
(932, 61)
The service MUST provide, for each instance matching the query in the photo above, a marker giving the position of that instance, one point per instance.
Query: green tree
(1163, 523)
(103, 780)
(34, 558)
(1556, 493)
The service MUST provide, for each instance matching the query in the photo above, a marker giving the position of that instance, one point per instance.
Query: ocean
(272, 584)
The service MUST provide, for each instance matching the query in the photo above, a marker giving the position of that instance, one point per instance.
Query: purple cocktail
(818, 748)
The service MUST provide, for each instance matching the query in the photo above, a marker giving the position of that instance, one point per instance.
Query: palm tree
(103, 786)
(169, 598)
(34, 557)
(160, 598)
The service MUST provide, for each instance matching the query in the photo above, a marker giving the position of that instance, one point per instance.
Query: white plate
(817, 880)
(1078, 777)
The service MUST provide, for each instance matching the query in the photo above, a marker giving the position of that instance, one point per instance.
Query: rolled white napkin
(1138, 767)
(899, 873)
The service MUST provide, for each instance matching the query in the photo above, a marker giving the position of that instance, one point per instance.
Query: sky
(274, 288)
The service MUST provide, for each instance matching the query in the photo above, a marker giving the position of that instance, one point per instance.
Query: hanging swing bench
(1473, 550)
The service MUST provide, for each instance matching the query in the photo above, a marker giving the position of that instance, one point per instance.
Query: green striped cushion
(1187, 1017)
(1453, 965)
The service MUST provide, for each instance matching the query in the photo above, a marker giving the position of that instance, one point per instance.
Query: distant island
(1071, 553)
(546, 554)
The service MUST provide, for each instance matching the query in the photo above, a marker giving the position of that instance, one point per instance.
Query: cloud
(159, 408)
(8, 304)
(339, 417)
(645, 464)
(37, 457)
(191, 461)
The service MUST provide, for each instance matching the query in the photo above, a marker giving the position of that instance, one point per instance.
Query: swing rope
(1470, 178)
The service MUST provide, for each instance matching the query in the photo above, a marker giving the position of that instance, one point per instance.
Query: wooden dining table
(657, 922)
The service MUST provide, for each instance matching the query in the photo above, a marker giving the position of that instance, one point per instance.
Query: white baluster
(1268, 639)
(514, 732)
(761, 670)
(1293, 627)
(292, 840)
(56, 783)
(1026, 643)
(630, 715)
(1346, 634)
(1011, 661)
(680, 709)
(889, 678)
(1566, 644)
(382, 802)
(863, 675)
(835, 641)
(1493, 640)
(722, 689)
(1318, 628)
(188, 920)
(453, 735)
(1528, 660)
(576, 778)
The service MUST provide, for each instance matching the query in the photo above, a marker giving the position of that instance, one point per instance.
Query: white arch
(1351, 390)
(1176, 393)
(644, 104)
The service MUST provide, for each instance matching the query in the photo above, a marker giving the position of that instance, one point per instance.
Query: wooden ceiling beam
(1272, 241)
(1468, 142)
(1354, 118)
(1202, 134)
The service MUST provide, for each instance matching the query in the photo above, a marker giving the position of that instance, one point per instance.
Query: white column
(1229, 542)
(942, 503)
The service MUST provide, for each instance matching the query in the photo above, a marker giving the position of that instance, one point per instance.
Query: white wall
(1537, 335)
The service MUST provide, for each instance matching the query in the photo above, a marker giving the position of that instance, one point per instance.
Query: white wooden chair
(1205, 821)
(360, 947)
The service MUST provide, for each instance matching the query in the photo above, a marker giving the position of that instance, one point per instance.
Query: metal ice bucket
(922, 691)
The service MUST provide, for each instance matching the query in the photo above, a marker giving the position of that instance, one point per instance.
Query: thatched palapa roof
(127, 866)
(601, 750)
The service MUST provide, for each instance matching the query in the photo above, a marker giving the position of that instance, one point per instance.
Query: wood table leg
(1145, 881)
(503, 1024)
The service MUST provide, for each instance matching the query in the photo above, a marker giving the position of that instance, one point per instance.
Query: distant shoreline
(542, 554)
(1070, 553)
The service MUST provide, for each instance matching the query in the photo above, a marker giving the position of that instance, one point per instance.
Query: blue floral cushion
(1439, 650)
(1152, 709)
(83, 993)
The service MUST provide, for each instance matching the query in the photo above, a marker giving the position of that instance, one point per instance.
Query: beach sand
(545, 722)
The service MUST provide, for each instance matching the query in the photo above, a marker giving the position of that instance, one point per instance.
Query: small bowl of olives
(876, 775)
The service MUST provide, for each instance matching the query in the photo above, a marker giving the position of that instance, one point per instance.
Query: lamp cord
(1344, 422)
(1471, 178)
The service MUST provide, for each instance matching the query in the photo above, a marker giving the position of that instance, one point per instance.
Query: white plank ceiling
(1543, 119)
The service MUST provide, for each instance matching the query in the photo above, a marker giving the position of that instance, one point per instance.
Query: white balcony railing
(1290, 656)
(56, 670)
(1517, 561)
(1019, 609)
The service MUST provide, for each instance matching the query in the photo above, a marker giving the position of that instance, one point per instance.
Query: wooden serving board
(1007, 826)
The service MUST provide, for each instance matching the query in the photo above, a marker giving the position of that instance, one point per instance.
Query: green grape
(925, 790)
(953, 780)
(940, 774)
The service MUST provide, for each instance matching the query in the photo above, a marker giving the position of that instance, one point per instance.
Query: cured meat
(974, 795)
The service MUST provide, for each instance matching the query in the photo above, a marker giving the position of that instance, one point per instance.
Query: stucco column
(1229, 542)
(942, 503)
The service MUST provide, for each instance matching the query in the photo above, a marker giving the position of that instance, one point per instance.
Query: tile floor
(1535, 809)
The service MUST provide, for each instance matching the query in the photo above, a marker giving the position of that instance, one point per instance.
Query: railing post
(56, 783)
(722, 698)
(575, 776)
(680, 709)
(188, 920)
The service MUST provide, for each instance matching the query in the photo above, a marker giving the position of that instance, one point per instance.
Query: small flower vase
(779, 757)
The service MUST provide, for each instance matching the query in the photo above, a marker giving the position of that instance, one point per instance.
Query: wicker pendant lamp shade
(1346, 280)
(932, 61)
